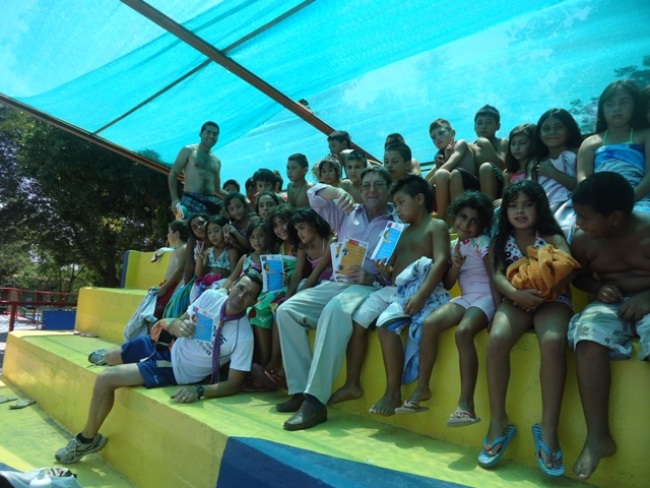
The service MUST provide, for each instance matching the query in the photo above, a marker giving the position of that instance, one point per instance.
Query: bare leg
(114, 356)
(441, 319)
(275, 363)
(263, 343)
(551, 323)
(441, 180)
(473, 321)
(356, 354)
(594, 380)
(456, 186)
(104, 394)
(509, 324)
(393, 353)
(488, 180)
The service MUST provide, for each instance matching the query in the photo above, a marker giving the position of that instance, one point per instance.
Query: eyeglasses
(377, 185)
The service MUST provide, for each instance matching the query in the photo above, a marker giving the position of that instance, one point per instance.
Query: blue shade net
(368, 67)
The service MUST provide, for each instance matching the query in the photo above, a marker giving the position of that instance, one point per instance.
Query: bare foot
(387, 404)
(591, 454)
(420, 394)
(345, 393)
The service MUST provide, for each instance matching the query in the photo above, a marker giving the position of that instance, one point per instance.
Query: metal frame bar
(84, 134)
(220, 58)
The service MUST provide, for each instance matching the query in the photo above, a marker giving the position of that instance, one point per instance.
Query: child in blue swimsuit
(620, 144)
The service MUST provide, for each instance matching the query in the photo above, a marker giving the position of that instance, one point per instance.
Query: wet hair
(264, 175)
(266, 193)
(527, 130)
(605, 192)
(638, 120)
(355, 155)
(278, 180)
(250, 184)
(309, 216)
(264, 226)
(209, 123)
(191, 218)
(341, 136)
(393, 138)
(253, 275)
(332, 161)
(299, 158)
(573, 140)
(231, 182)
(414, 185)
(440, 123)
(488, 111)
(218, 219)
(402, 149)
(380, 170)
(182, 227)
(235, 196)
(545, 225)
(283, 212)
(477, 201)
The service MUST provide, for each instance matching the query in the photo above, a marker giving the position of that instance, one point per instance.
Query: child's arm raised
(203, 258)
(233, 258)
(440, 242)
(235, 273)
(457, 260)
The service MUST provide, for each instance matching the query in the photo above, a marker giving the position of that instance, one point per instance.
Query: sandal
(542, 447)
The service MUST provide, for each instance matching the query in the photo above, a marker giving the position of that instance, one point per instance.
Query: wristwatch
(200, 391)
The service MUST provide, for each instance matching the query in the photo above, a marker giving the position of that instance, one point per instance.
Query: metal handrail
(12, 298)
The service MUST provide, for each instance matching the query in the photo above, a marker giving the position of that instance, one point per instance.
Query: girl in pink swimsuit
(472, 311)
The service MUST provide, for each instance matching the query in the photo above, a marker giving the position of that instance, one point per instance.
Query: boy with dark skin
(613, 243)
(424, 237)
(459, 172)
(397, 160)
(491, 161)
(297, 167)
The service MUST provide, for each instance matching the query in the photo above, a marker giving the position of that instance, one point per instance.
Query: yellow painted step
(157, 443)
(29, 437)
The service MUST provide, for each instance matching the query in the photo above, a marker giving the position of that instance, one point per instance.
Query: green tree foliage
(75, 202)
(585, 112)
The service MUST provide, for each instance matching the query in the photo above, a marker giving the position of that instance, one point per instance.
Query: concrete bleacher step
(28, 437)
(239, 441)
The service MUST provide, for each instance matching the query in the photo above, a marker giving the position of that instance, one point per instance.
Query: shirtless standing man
(614, 244)
(201, 168)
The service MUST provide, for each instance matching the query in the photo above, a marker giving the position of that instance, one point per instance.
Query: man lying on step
(214, 330)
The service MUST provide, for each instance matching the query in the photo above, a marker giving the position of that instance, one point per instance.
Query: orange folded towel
(542, 270)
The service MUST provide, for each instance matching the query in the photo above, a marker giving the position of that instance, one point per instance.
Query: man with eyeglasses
(328, 308)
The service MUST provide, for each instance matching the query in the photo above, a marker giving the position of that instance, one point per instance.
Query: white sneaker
(75, 450)
(97, 357)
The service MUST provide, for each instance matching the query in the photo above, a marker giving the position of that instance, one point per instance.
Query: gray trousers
(328, 308)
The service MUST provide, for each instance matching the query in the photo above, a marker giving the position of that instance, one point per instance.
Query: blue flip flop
(540, 446)
(487, 460)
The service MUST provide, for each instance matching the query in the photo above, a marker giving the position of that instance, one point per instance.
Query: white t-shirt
(192, 359)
